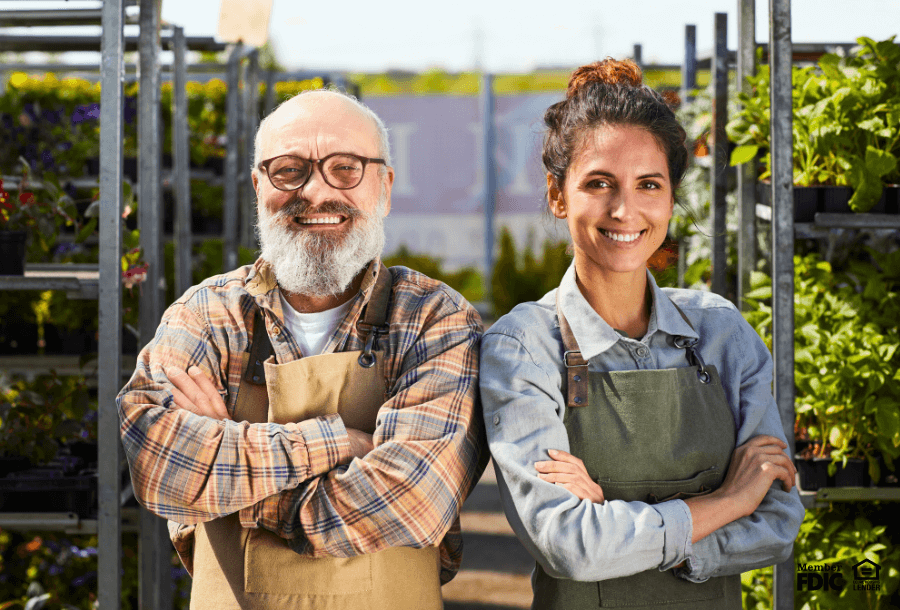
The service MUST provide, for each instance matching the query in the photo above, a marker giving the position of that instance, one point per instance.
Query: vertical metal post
(269, 100)
(181, 164)
(154, 548)
(780, 55)
(490, 181)
(689, 67)
(250, 117)
(746, 174)
(718, 177)
(638, 56)
(109, 374)
(232, 181)
(688, 84)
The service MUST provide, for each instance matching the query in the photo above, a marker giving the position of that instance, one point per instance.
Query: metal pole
(638, 56)
(109, 375)
(718, 173)
(490, 182)
(181, 165)
(688, 84)
(232, 182)
(780, 55)
(689, 67)
(250, 117)
(746, 174)
(154, 548)
(269, 99)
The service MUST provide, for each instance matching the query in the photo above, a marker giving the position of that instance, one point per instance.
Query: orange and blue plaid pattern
(297, 480)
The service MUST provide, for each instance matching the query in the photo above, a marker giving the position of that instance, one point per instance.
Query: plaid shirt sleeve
(429, 444)
(189, 468)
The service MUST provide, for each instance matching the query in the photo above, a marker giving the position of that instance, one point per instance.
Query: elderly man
(319, 447)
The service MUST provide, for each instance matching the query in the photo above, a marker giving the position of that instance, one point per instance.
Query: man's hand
(569, 472)
(194, 392)
(360, 442)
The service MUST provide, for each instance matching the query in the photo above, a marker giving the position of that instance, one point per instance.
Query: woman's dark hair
(610, 92)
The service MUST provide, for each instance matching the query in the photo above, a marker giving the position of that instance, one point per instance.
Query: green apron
(648, 436)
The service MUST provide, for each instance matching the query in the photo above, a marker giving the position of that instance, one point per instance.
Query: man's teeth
(326, 220)
(626, 237)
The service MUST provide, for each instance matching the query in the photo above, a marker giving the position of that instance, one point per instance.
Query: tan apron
(236, 567)
(650, 436)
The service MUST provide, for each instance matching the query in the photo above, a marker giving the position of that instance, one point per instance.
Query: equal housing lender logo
(830, 576)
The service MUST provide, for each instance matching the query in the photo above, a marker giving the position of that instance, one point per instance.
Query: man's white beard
(317, 264)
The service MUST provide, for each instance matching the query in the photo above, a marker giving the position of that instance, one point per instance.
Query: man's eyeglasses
(340, 170)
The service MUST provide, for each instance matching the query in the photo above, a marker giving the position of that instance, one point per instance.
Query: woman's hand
(754, 467)
(194, 392)
(569, 472)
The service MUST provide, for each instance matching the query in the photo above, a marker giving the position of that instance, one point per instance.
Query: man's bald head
(307, 105)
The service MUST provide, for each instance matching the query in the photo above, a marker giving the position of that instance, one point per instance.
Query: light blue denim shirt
(521, 374)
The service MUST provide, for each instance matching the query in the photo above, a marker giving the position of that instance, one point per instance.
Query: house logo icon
(866, 576)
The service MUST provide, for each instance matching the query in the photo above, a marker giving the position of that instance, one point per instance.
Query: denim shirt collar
(594, 336)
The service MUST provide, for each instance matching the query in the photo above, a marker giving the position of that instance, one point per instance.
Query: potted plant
(846, 128)
(846, 358)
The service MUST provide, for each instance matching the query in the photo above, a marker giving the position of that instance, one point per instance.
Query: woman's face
(617, 199)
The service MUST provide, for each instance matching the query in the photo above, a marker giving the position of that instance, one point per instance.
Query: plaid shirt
(299, 480)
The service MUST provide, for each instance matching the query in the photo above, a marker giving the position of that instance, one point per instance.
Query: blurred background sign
(244, 21)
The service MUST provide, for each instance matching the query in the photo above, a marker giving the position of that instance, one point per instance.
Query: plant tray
(42, 491)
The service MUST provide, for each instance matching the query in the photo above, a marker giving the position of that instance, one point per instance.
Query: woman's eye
(598, 184)
(650, 185)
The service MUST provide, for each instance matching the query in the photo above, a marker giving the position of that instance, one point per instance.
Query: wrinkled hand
(569, 472)
(195, 392)
(754, 467)
(360, 442)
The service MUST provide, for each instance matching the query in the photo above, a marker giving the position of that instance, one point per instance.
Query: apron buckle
(367, 358)
(689, 344)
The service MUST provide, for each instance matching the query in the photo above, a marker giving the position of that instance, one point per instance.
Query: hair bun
(608, 72)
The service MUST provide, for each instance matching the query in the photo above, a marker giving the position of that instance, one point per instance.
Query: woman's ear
(555, 198)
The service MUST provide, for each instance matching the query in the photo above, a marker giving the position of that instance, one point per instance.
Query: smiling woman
(633, 428)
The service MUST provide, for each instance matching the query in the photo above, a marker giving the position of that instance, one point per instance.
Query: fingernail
(552, 451)
(193, 370)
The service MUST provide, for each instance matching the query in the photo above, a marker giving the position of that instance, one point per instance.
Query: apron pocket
(270, 566)
(654, 588)
(654, 492)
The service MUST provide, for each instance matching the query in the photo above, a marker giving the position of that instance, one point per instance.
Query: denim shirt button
(496, 420)
(643, 352)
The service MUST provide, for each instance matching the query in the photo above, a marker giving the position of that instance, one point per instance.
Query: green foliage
(521, 277)
(846, 355)
(846, 121)
(842, 534)
(467, 281)
(38, 417)
(61, 570)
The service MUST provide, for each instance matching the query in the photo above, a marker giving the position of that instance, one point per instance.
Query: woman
(638, 448)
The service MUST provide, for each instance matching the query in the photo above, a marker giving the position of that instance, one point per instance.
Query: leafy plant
(467, 281)
(521, 277)
(846, 356)
(846, 121)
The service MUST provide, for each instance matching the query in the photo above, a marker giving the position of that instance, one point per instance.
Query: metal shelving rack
(102, 281)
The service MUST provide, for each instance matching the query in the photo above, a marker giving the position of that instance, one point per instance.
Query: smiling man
(308, 423)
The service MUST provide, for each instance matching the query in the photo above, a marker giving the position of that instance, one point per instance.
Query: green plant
(846, 121)
(38, 417)
(846, 356)
(518, 278)
(467, 281)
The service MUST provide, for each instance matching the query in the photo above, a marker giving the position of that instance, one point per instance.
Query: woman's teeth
(327, 220)
(623, 237)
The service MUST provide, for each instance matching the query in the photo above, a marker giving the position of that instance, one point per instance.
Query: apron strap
(689, 345)
(260, 350)
(577, 388)
(373, 320)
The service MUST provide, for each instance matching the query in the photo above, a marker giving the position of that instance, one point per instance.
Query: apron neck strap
(577, 388)
(689, 345)
(374, 318)
(260, 350)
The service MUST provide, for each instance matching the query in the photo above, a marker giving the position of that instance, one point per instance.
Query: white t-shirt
(313, 330)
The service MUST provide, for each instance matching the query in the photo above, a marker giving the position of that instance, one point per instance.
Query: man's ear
(387, 185)
(554, 198)
(255, 178)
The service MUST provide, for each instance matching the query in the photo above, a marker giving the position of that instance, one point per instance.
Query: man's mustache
(302, 207)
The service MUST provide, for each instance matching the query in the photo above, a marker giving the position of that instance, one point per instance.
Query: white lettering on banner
(476, 189)
(400, 143)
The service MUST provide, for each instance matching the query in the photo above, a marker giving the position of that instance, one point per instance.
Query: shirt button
(496, 420)
(643, 352)
(276, 330)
